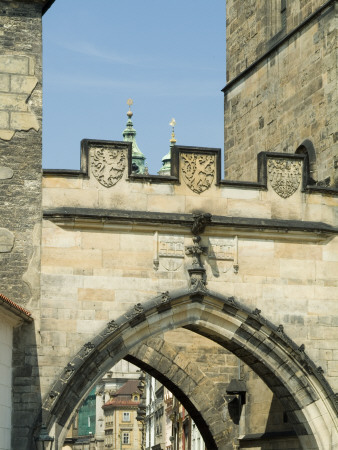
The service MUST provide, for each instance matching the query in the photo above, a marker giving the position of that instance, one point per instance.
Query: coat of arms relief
(285, 176)
(198, 171)
(223, 253)
(170, 252)
(108, 165)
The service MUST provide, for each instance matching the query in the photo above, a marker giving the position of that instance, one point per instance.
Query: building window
(126, 417)
(135, 398)
(125, 438)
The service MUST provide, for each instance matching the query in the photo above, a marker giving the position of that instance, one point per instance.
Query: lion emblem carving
(108, 165)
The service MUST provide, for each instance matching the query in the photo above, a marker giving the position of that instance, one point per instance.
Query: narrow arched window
(307, 148)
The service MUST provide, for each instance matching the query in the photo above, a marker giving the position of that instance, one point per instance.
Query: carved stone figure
(50, 400)
(197, 272)
(138, 309)
(200, 222)
(69, 370)
(285, 176)
(112, 325)
(88, 348)
(108, 165)
(198, 171)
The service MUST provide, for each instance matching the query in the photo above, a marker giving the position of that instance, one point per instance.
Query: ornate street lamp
(43, 441)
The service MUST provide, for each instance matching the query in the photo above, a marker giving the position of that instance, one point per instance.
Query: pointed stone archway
(282, 365)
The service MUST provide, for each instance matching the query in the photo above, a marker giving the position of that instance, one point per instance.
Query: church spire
(129, 135)
(166, 160)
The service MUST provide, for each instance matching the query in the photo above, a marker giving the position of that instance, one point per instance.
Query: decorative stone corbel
(196, 271)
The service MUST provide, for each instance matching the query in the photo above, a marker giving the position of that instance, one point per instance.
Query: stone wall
(288, 97)
(254, 26)
(20, 195)
(107, 248)
(20, 137)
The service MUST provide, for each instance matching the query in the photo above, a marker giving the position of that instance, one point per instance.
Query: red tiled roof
(120, 403)
(129, 388)
(123, 396)
(19, 310)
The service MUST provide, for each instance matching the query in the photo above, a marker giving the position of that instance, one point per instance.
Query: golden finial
(172, 124)
(129, 103)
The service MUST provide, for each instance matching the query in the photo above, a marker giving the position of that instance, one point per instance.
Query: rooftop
(123, 396)
(15, 308)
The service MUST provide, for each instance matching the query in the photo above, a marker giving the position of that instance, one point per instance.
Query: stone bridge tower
(223, 289)
(281, 91)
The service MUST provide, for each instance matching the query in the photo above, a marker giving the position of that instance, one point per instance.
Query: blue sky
(169, 57)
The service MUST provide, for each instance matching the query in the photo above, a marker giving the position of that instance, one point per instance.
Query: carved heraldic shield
(171, 252)
(284, 176)
(108, 165)
(198, 171)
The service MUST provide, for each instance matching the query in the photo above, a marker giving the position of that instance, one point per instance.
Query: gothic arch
(282, 365)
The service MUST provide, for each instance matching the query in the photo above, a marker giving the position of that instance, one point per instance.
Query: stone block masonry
(286, 97)
(20, 138)
(20, 195)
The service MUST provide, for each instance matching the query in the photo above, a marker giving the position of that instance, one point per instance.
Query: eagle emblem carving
(284, 176)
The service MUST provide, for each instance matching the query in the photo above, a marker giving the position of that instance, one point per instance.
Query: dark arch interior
(188, 405)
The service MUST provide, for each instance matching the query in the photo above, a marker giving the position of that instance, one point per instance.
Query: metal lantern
(44, 441)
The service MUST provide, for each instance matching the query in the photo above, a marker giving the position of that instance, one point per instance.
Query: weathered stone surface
(6, 240)
(288, 98)
(5, 173)
(20, 195)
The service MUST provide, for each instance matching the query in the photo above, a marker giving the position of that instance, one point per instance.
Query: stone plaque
(171, 251)
(198, 171)
(108, 165)
(285, 176)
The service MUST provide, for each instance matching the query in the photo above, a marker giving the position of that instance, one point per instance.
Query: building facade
(168, 425)
(12, 316)
(121, 427)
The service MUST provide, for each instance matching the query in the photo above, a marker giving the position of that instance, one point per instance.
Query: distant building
(88, 429)
(121, 428)
(11, 316)
(168, 425)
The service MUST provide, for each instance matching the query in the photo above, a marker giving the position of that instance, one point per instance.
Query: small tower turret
(129, 135)
(166, 160)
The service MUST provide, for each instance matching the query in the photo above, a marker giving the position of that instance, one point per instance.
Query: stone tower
(20, 193)
(281, 92)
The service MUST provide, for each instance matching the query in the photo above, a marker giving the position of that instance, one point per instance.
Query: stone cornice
(104, 219)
